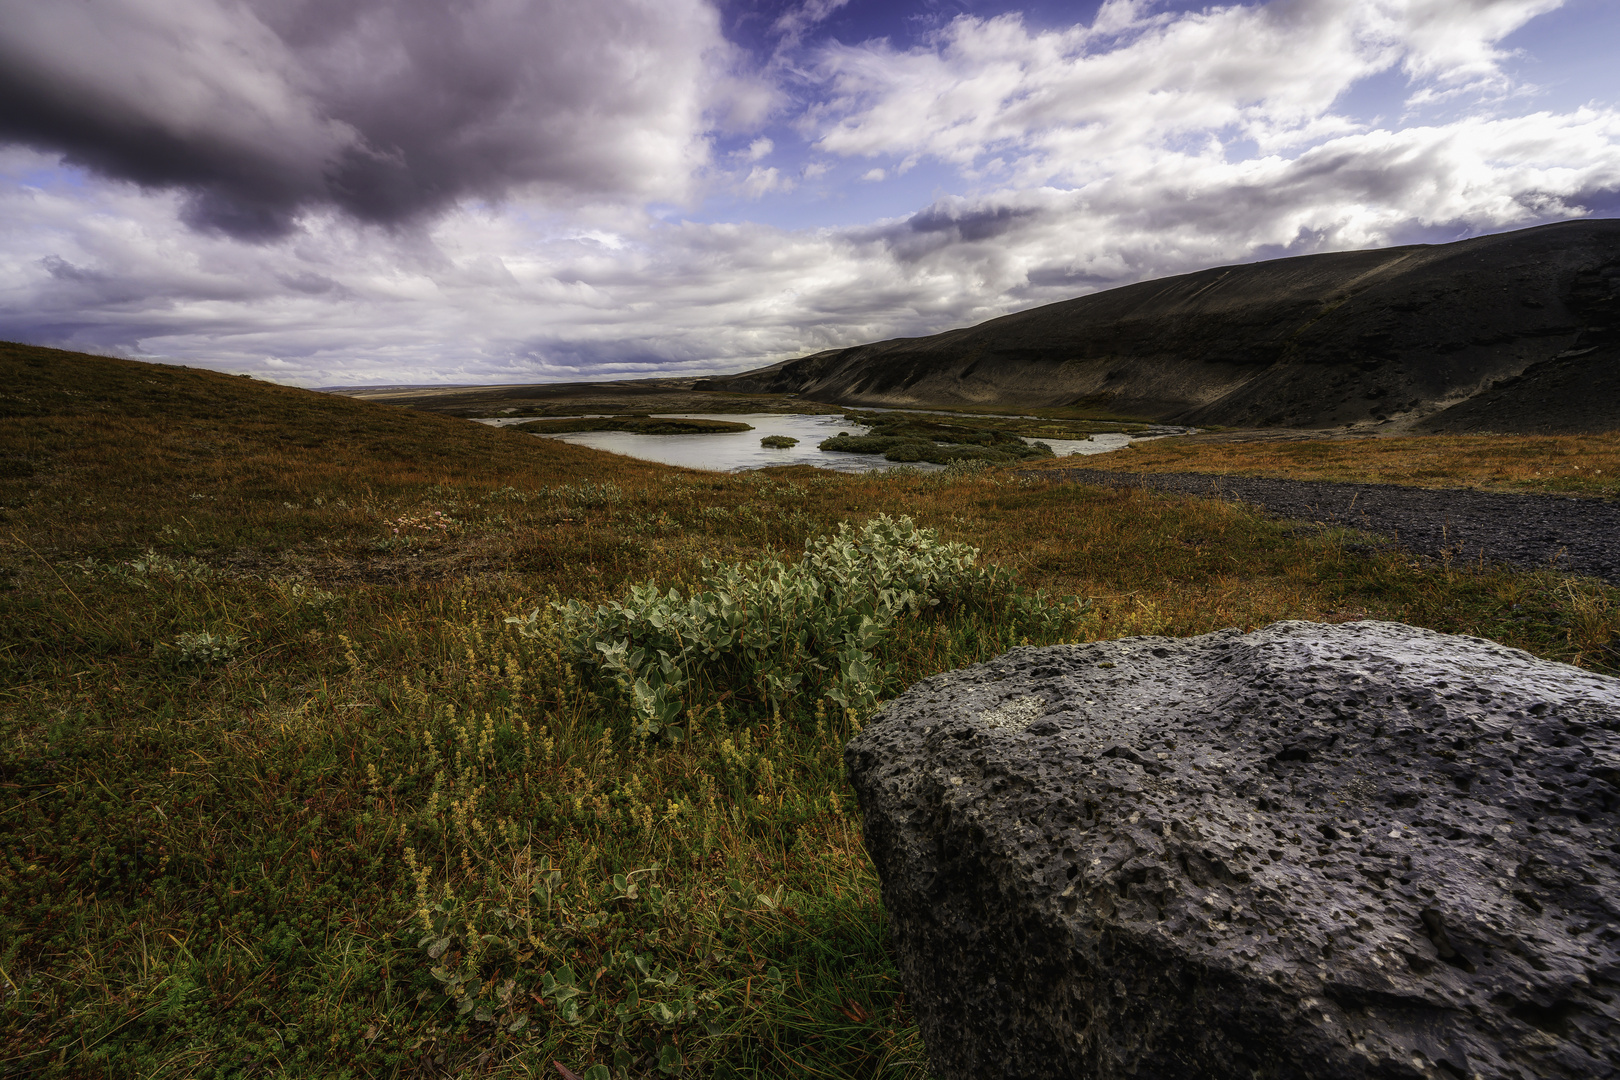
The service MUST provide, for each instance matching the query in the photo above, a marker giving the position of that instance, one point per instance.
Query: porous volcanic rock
(1362, 850)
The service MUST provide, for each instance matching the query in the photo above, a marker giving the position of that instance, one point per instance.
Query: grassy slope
(1586, 465)
(209, 858)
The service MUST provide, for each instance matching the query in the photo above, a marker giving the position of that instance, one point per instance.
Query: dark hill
(1517, 332)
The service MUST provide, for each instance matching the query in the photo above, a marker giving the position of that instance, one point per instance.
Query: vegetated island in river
(635, 423)
(910, 437)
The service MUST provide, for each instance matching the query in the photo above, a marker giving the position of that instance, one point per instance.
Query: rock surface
(1362, 850)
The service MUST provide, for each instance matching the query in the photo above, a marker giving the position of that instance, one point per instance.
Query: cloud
(385, 110)
(1060, 105)
(502, 296)
(1052, 163)
(796, 21)
(762, 181)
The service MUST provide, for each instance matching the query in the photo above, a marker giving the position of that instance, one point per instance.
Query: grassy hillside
(301, 773)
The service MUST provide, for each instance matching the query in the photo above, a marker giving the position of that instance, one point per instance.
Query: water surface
(739, 450)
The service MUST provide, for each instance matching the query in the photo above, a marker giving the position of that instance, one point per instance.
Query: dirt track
(1574, 536)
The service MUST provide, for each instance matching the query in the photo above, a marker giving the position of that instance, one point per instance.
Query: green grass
(260, 852)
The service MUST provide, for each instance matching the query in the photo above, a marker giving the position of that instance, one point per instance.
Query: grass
(285, 793)
(1580, 465)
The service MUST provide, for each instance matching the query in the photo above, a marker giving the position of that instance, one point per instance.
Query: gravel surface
(1573, 536)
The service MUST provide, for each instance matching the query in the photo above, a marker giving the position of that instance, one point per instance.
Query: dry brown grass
(1585, 465)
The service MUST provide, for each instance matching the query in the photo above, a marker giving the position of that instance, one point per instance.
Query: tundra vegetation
(912, 437)
(340, 739)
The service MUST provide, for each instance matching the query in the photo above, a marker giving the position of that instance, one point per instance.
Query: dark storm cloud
(968, 223)
(949, 222)
(384, 109)
(62, 270)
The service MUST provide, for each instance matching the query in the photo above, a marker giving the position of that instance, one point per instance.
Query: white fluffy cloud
(1142, 145)
(1067, 105)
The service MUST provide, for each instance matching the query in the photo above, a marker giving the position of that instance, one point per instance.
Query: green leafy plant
(589, 495)
(765, 630)
(200, 649)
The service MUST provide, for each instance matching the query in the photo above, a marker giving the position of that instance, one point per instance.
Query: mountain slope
(1514, 332)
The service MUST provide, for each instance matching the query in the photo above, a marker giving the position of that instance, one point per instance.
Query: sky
(354, 192)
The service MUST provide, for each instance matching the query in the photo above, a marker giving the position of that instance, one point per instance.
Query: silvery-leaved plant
(814, 626)
(202, 648)
(155, 564)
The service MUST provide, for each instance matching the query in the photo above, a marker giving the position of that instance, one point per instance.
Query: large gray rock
(1363, 850)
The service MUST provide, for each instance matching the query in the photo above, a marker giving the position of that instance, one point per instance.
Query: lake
(740, 450)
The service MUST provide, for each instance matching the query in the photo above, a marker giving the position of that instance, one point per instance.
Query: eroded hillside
(1512, 332)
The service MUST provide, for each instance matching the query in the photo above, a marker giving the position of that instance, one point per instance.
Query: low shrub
(763, 631)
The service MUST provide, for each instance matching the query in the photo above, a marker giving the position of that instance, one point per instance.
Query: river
(736, 451)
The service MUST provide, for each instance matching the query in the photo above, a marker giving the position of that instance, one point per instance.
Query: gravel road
(1574, 536)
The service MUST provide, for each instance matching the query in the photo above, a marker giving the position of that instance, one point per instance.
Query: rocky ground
(1573, 536)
